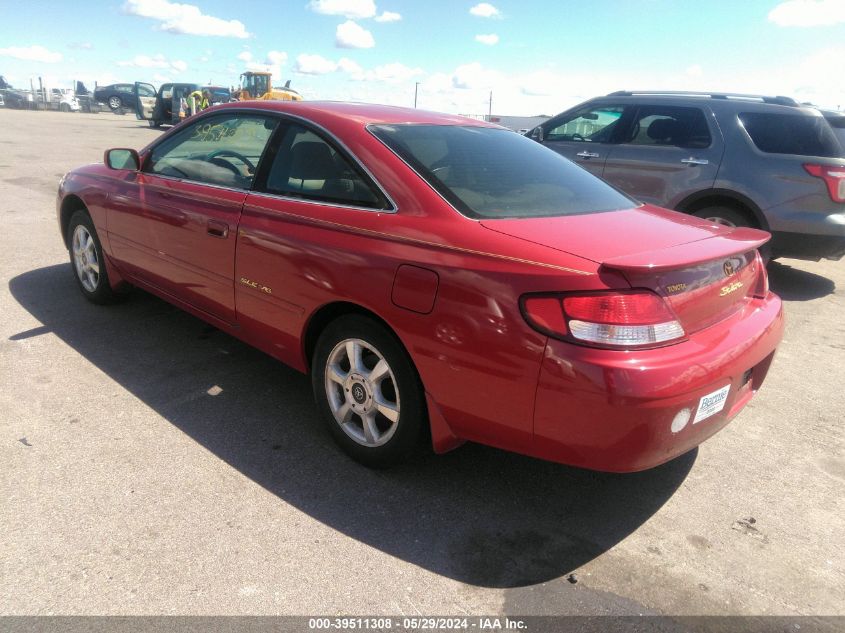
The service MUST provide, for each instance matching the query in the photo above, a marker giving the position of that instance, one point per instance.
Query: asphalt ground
(128, 487)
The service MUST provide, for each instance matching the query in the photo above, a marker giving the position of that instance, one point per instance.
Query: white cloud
(245, 56)
(485, 10)
(475, 77)
(85, 46)
(539, 83)
(32, 54)
(273, 63)
(352, 35)
(156, 61)
(351, 67)
(694, 71)
(314, 65)
(352, 9)
(389, 16)
(277, 58)
(394, 73)
(808, 13)
(490, 39)
(184, 19)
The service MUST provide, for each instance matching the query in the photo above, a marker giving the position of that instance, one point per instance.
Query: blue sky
(536, 57)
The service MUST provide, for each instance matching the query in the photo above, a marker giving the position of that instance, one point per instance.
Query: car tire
(115, 103)
(87, 260)
(154, 124)
(375, 410)
(724, 216)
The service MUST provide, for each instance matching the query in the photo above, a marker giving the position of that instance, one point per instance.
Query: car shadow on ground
(477, 515)
(794, 284)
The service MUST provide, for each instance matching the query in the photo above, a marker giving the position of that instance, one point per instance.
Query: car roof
(363, 113)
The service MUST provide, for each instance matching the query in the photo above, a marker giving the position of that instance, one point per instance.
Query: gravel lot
(127, 488)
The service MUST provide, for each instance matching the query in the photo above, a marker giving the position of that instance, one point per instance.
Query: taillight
(624, 319)
(833, 176)
(761, 290)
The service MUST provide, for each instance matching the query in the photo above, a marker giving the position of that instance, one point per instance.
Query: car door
(145, 101)
(586, 135)
(667, 153)
(176, 228)
(291, 224)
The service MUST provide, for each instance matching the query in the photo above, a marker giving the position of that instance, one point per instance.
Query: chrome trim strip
(322, 203)
(195, 182)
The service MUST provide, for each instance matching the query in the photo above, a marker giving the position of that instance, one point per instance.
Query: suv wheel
(725, 216)
(115, 103)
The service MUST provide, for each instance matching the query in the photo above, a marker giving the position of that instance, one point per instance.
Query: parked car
(116, 96)
(219, 94)
(18, 99)
(436, 272)
(162, 106)
(737, 160)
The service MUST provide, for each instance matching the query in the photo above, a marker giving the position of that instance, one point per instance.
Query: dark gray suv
(739, 160)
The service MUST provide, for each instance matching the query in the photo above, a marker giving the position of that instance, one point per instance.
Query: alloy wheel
(362, 392)
(85, 259)
(721, 222)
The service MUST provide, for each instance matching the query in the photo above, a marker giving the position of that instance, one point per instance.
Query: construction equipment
(258, 86)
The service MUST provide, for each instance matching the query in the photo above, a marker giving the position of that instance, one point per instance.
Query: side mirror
(537, 134)
(122, 158)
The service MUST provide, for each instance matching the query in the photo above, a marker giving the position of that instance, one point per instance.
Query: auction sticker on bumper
(711, 404)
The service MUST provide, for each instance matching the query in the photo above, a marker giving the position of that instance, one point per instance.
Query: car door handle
(587, 155)
(218, 229)
(695, 161)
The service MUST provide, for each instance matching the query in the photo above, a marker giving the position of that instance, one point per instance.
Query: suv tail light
(833, 176)
(619, 319)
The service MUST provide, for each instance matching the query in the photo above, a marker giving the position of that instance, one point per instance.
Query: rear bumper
(612, 411)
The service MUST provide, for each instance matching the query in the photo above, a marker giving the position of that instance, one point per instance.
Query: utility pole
(416, 89)
(490, 108)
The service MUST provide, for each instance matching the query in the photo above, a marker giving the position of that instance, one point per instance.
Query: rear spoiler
(739, 240)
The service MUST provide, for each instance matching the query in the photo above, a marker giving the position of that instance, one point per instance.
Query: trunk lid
(704, 272)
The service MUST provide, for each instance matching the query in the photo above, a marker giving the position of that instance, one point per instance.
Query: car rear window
(837, 122)
(496, 173)
(797, 134)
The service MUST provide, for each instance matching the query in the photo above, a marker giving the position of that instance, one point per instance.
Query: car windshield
(495, 173)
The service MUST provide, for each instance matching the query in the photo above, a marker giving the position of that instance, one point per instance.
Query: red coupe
(436, 274)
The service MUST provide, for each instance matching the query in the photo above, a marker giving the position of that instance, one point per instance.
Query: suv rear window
(495, 173)
(797, 134)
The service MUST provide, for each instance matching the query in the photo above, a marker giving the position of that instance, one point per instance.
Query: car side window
(222, 150)
(595, 124)
(307, 166)
(669, 125)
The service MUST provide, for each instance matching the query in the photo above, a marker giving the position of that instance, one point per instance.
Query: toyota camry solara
(437, 277)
